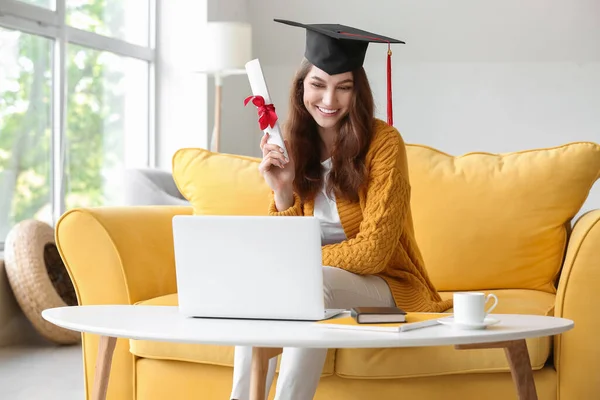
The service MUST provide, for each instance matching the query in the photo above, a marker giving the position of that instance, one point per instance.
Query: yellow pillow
(221, 184)
(496, 221)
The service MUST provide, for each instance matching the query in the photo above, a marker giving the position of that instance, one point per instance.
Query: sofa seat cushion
(445, 360)
(197, 353)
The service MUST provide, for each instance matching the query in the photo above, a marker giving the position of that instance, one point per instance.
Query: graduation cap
(338, 48)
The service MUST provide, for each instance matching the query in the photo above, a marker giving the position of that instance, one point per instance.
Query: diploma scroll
(258, 85)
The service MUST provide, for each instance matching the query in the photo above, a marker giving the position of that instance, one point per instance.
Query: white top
(167, 324)
(327, 214)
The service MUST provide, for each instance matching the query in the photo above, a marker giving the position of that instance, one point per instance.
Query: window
(25, 128)
(49, 4)
(127, 20)
(76, 79)
(107, 122)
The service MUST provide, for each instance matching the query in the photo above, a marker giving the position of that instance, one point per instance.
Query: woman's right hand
(278, 171)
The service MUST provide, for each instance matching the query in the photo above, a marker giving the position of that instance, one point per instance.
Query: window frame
(31, 19)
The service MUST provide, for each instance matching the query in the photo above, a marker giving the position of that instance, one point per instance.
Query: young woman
(350, 171)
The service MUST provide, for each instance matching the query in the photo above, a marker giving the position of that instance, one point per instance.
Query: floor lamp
(228, 49)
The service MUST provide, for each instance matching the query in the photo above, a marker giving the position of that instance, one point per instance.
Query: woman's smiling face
(327, 97)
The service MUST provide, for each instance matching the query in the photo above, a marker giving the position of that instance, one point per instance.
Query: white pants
(301, 368)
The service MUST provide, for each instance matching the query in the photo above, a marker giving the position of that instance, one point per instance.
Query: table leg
(260, 368)
(106, 349)
(519, 362)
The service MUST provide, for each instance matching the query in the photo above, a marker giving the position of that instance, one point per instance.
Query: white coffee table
(163, 323)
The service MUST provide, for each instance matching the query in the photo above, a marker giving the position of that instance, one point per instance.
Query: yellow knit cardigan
(379, 228)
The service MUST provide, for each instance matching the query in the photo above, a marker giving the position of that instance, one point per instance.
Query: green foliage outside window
(94, 119)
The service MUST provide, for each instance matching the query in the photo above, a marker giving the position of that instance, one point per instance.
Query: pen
(418, 325)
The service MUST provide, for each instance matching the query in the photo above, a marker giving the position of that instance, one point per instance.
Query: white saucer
(486, 322)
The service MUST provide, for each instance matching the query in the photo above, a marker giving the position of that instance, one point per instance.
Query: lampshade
(228, 46)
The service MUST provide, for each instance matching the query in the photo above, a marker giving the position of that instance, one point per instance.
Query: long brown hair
(348, 170)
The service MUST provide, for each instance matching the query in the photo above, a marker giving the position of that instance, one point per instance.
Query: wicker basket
(38, 277)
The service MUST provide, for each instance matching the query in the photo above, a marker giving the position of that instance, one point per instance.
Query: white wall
(180, 93)
(185, 100)
(474, 75)
(238, 133)
(229, 10)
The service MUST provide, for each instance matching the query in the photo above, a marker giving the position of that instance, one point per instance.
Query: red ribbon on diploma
(266, 112)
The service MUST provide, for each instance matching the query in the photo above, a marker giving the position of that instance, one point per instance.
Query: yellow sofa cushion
(220, 184)
(497, 221)
(482, 221)
(412, 362)
(382, 363)
(197, 353)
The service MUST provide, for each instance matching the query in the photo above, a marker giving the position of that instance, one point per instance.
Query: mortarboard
(338, 48)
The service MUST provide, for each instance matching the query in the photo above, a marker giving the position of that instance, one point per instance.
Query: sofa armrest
(119, 255)
(577, 351)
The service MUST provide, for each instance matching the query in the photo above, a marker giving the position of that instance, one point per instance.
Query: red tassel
(390, 111)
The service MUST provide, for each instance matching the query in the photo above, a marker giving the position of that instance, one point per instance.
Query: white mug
(469, 307)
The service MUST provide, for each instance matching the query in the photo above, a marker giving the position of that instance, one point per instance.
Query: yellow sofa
(499, 223)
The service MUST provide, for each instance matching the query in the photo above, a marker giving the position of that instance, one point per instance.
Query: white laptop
(256, 267)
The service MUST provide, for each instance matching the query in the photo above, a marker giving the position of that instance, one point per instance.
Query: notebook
(378, 315)
(413, 321)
